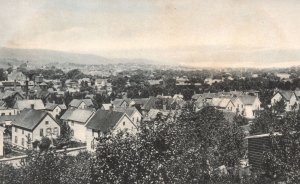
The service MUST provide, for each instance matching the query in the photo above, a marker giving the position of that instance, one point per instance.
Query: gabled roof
(297, 92)
(9, 93)
(52, 106)
(26, 104)
(150, 103)
(247, 99)
(62, 106)
(104, 120)
(29, 118)
(196, 96)
(287, 95)
(118, 102)
(78, 115)
(77, 102)
(140, 101)
(129, 110)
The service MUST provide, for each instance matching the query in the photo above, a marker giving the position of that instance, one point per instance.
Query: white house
(104, 122)
(31, 125)
(289, 98)
(77, 119)
(134, 115)
(55, 109)
(1, 141)
(29, 104)
(81, 103)
(247, 105)
(8, 111)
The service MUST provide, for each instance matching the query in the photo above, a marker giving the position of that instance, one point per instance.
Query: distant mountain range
(12, 56)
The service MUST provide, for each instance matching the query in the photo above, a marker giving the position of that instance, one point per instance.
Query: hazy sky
(191, 32)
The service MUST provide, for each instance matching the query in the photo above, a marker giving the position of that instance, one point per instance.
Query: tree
(279, 106)
(44, 144)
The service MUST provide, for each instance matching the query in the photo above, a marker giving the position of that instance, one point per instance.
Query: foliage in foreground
(186, 150)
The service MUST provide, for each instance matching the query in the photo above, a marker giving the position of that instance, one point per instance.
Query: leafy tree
(279, 107)
(44, 144)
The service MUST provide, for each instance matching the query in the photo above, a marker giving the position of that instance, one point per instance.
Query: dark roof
(248, 99)
(77, 102)
(129, 110)
(150, 103)
(286, 94)
(7, 118)
(104, 120)
(118, 102)
(50, 106)
(29, 118)
(9, 93)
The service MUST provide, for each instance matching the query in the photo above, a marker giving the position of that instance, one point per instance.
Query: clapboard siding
(256, 148)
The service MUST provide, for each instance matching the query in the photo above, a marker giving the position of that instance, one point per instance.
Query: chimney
(111, 107)
(26, 88)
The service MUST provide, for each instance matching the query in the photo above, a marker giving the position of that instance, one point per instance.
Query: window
(55, 131)
(132, 119)
(72, 123)
(41, 132)
(10, 113)
(28, 136)
(22, 131)
(72, 132)
(16, 139)
(124, 123)
(16, 129)
(2, 114)
(47, 122)
(48, 131)
(22, 141)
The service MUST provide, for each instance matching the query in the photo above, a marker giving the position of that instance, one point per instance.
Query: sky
(198, 33)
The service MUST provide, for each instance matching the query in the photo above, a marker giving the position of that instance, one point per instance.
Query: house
(81, 103)
(283, 76)
(247, 105)
(134, 115)
(84, 81)
(31, 125)
(7, 120)
(223, 103)
(2, 130)
(182, 81)
(55, 109)
(155, 82)
(8, 111)
(106, 106)
(29, 104)
(289, 97)
(104, 122)
(16, 76)
(100, 83)
(77, 119)
(120, 103)
(11, 94)
(211, 81)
